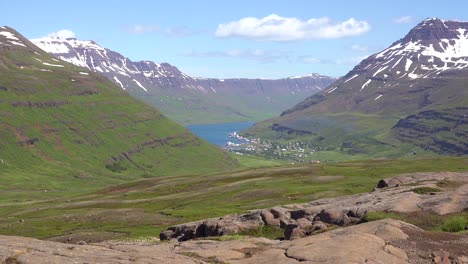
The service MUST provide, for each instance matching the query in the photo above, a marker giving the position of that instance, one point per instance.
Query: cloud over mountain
(62, 34)
(278, 28)
(403, 20)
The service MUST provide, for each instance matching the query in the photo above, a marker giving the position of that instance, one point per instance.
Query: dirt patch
(51, 135)
(256, 194)
(131, 216)
(328, 178)
(423, 246)
(29, 143)
(247, 181)
(88, 237)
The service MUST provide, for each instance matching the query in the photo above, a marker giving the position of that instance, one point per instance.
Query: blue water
(218, 134)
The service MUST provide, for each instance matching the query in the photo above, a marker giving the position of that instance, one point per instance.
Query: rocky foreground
(443, 193)
(323, 231)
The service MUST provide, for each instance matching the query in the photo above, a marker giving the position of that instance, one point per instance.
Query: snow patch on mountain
(11, 38)
(53, 65)
(365, 84)
(354, 76)
(139, 84)
(119, 82)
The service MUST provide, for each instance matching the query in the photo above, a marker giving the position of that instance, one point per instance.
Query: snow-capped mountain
(120, 69)
(433, 47)
(166, 87)
(415, 90)
(9, 38)
(433, 52)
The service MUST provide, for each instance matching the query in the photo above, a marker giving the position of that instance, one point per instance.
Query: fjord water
(218, 134)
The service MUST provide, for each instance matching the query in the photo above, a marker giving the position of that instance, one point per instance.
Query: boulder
(303, 227)
(301, 213)
(293, 231)
(388, 182)
(286, 222)
(166, 235)
(335, 217)
(269, 218)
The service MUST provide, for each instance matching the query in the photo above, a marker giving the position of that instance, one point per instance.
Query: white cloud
(140, 29)
(361, 48)
(403, 20)
(63, 34)
(306, 59)
(261, 55)
(350, 60)
(277, 28)
(179, 32)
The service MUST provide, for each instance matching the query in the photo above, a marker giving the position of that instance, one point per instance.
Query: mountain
(412, 94)
(67, 129)
(184, 98)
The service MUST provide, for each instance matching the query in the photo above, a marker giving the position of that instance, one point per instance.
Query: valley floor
(436, 201)
(146, 207)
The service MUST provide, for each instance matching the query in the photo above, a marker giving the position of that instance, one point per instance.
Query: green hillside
(399, 102)
(67, 130)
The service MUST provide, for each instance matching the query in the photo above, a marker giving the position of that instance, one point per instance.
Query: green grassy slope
(64, 129)
(145, 207)
(428, 116)
(192, 107)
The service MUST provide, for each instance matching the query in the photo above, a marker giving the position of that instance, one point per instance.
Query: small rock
(441, 257)
(301, 213)
(389, 182)
(293, 231)
(286, 222)
(166, 235)
(269, 218)
(82, 242)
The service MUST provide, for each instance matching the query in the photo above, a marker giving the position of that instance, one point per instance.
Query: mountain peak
(435, 29)
(9, 37)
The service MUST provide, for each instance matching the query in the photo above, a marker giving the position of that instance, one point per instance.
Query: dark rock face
(429, 129)
(434, 29)
(228, 225)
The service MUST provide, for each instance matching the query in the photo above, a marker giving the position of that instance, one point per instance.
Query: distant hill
(66, 129)
(410, 97)
(184, 98)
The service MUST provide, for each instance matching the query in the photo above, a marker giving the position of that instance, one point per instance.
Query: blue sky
(255, 39)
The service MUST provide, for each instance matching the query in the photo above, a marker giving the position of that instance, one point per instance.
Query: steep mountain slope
(414, 91)
(64, 128)
(184, 98)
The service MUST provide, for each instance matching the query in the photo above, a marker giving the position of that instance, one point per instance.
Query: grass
(86, 133)
(455, 224)
(251, 161)
(425, 190)
(447, 223)
(145, 207)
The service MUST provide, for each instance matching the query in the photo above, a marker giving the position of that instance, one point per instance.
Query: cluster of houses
(297, 151)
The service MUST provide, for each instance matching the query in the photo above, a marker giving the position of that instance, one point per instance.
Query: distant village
(297, 151)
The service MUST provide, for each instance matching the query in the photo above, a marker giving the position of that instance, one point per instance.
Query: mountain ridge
(65, 128)
(182, 97)
(409, 79)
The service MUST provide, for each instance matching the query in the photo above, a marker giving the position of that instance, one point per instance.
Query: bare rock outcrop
(383, 241)
(228, 225)
(403, 194)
